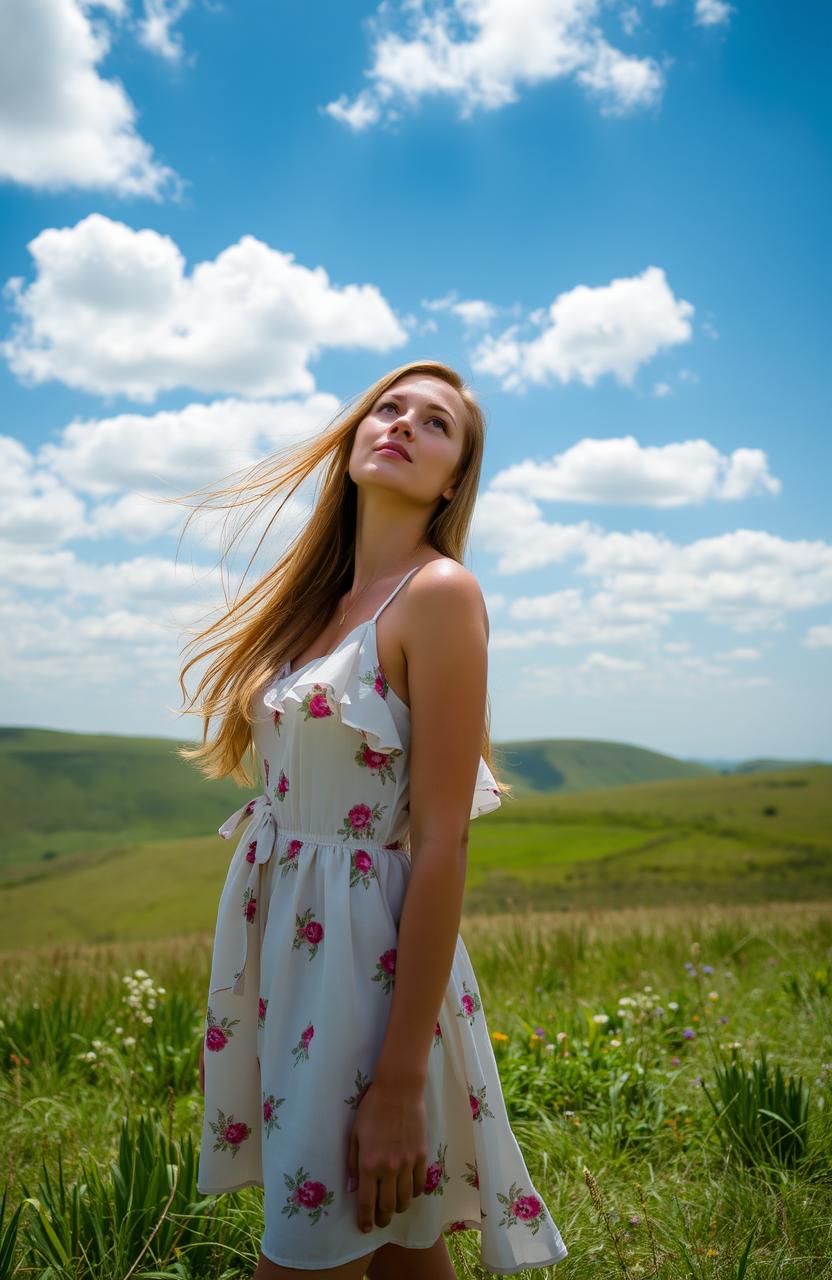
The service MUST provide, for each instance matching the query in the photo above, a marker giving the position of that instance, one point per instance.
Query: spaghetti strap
(393, 592)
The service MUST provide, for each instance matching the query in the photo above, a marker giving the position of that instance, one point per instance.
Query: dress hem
(403, 1244)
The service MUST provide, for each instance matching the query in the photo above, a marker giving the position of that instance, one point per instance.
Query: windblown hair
(278, 617)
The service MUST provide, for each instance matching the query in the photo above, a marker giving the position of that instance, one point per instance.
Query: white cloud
(121, 464)
(471, 311)
(35, 507)
(611, 329)
(608, 662)
(740, 655)
(748, 579)
(155, 27)
(112, 310)
(819, 637)
(483, 52)
(661, 389)
(62, 125)
(620, 470)
(711, 13)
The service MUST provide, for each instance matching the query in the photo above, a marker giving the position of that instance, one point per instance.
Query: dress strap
(395, 589)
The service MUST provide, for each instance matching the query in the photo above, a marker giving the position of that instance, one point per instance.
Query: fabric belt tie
(240, 906)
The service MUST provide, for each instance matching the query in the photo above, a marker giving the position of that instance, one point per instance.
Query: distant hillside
(761, 765)
(581, 764)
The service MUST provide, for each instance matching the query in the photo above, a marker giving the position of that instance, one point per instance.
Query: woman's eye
(388, 404)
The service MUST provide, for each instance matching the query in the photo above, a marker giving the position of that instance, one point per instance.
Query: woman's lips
(393, 453)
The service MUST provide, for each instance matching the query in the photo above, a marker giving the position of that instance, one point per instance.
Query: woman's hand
(387, 1156)
(202, 1067)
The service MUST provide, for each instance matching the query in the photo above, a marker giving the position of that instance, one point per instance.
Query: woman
(346, 1065)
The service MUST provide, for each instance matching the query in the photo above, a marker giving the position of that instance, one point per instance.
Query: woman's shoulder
(442, 585)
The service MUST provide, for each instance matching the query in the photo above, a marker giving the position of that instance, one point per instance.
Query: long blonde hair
(275, 620)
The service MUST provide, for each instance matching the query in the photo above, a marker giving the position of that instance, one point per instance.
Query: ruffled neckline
(324, 657)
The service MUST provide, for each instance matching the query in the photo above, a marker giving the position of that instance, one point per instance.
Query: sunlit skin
(443, 637)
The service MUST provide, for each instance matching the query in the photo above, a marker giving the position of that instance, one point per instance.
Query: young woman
(346, 1063)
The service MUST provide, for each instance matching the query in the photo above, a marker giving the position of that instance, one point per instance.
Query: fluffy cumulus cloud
(113, 310)
(63, 124)
(637, 582)
(819, 637)
(621, 471)
(102, 477)
(588, 332)
(483, 52)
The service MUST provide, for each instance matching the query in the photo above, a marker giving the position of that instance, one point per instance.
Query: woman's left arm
(446, 625)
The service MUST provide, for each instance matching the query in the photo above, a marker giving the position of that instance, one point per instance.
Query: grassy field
(610, 1029)
(751, 837)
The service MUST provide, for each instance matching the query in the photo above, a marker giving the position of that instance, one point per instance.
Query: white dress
(302, 976)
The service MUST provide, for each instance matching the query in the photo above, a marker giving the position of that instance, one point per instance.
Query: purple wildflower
(689, 1033)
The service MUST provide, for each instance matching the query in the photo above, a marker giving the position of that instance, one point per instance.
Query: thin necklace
(358, 597)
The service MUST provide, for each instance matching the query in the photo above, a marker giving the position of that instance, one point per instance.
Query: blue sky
(219, 221)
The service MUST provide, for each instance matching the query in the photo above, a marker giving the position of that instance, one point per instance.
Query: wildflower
(499, 1037)
(694, 948)
(707, 968)
(689, 966)
(600, 1018)
(713, 995)
(723, 1017)
(689, 1033)
(139, 973)
(129, 1042)
(549, 1048)
(647, 988)
(561, 1035)
(712, 1252)
(539, 1032)
(616, 1044)
(675, 1062)
(695, 1018)
(671, 1004)
(634, 1219)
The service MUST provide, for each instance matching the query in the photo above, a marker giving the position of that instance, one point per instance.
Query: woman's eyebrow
(398, 395)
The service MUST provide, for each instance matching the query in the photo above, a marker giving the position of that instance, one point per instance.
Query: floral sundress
(302, 976)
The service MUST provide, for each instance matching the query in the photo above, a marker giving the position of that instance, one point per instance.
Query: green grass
(621, 1099)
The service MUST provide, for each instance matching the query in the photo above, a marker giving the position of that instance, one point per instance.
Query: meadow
(668, 1074)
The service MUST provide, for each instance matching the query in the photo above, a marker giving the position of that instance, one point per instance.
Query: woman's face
(425, 416)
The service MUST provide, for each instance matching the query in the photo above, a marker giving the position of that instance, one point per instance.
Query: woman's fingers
(420, 1170)
(386, 1199)
(404, 1189)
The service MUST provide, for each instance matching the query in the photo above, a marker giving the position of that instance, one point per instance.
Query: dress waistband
(239, 907)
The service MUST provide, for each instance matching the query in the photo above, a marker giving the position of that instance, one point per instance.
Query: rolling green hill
(578, 764)
(70, 796)
(142, 859)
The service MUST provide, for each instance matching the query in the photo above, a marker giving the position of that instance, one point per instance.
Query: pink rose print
(306, 1194)
(316, 705)
(527, 1209)
(249, 905)
(270, 1120)
(472, 1177)
(470, 1004)
(457, 1226)
(359, 821)
(230, 1133)
(308, 932)
(249, 809)
(282, 786)
(362, 1084)
(437, 1035)
(289, 861)
(251, 852)
(361, 868)
(378, 762)
(218, 1033)
(386, 970)
(375, 679)
(277, 716)
(266, 770)
(435, 1175)
(262, 1006)
(301, 1050)
(395, 844)
(479, 1106)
